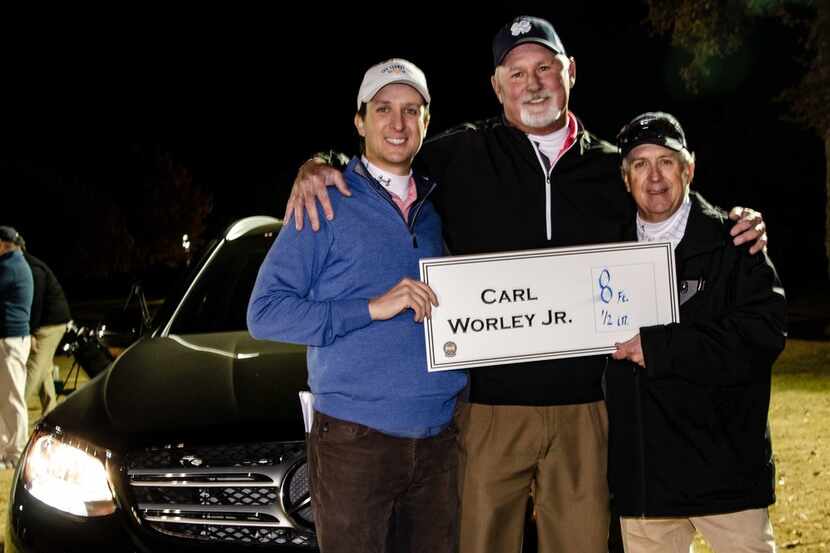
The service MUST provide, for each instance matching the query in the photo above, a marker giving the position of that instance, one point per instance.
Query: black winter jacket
(49, 305)
(492, 198)
(689, 434)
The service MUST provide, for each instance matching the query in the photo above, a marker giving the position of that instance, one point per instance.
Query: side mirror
(122, 326)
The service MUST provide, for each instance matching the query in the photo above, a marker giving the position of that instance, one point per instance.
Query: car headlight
(68, 474)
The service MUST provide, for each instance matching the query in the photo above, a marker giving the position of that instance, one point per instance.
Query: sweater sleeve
(281, 307)
(732, 348)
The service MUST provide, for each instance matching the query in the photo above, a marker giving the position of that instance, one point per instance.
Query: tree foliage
(135, 221)
(712, 29)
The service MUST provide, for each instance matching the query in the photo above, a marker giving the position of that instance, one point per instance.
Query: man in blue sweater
(382, 449)
(16, 292)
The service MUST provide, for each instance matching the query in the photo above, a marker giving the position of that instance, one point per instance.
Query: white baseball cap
(392, 71)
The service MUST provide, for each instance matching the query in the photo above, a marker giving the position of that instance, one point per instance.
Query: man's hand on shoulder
(406, 294)
(310, 185)
(750, 227)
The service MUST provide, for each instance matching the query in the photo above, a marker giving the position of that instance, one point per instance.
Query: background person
(16, 291)
(49, 319)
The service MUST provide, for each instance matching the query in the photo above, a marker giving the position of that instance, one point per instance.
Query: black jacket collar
(706, 229)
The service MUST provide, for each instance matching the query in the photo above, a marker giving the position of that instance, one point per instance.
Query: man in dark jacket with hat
(689, 446)
(532, 177)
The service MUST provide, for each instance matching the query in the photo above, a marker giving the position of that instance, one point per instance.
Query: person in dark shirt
(49, 319)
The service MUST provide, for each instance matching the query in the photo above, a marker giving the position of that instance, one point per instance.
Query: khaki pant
(14, 415)
(742, 532)
(39, 378)
(558, 452)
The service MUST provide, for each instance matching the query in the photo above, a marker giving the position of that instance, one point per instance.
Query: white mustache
(529, 97)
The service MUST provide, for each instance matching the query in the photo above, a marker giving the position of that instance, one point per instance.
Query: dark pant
(376, 493)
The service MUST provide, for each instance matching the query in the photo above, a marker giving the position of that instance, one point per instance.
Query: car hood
(190, 382)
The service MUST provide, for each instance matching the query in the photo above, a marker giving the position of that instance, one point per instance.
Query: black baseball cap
(8, 234)
(653, 127)
(525, 29)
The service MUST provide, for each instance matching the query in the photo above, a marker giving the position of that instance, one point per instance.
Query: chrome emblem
(190, 461)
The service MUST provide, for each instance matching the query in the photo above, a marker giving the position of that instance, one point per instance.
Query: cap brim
(541, 41)
(373, 91)
(670, 143)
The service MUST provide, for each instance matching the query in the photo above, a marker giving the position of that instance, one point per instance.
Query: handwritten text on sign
(545, 304)
(619, 288)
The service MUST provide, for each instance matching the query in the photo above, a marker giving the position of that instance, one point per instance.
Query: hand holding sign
(406, 294)
(630, 349)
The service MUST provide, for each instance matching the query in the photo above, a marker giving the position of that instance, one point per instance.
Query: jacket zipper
(546, 172)
(640, 439)
(410, 226)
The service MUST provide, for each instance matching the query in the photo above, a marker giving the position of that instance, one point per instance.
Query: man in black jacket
(532, 177)
(49, 318)
(689, 445)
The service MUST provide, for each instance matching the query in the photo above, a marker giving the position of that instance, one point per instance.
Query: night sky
(239, 99)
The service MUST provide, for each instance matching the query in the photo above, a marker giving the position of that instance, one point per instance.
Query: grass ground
(799, 417)
(800, 424)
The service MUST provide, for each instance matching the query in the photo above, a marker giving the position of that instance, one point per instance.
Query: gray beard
(540, 120)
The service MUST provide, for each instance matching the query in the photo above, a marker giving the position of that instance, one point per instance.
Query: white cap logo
(520, 27)
(394, 69)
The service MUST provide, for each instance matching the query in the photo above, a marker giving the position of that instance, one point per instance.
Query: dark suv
(192, 440)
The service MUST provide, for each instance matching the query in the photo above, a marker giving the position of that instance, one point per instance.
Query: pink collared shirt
(572, 130)
(404, 204)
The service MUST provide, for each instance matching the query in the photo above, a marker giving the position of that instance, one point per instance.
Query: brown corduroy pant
(374, 493)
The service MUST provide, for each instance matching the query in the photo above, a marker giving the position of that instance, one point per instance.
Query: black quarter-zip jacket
(492, 198)
(688, 434)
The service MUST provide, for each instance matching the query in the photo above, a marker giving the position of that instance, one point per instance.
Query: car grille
(239, 493)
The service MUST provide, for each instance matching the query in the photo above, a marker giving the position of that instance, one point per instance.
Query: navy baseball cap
(525, 29)
(653, 127)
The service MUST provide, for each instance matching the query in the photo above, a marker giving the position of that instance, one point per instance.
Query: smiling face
(533, 84)
(658, 178)
(394, 127)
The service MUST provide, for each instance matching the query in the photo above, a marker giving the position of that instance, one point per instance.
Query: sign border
(427, 263)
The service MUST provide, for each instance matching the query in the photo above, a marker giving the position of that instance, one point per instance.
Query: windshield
(219, 300)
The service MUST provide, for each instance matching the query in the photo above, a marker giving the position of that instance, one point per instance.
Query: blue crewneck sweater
(314, 288)
(16, 293)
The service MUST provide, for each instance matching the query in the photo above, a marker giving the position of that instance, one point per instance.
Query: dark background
(239, 98)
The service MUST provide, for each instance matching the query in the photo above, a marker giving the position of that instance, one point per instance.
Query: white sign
(545, 304)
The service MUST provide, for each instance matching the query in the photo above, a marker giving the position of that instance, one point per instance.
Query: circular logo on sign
(450, 348)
